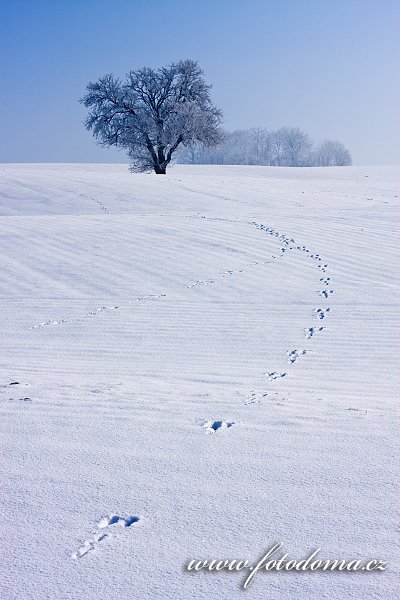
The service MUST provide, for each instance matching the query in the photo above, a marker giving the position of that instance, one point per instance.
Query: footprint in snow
(26, 399)
(322, 267)
(255, 397)
(8, 384)
(294, 355)
(48, 323)
(117, 520)
(326, 293)
(213, 426)
(310, 331)
(275, 375)
(99, 534)
(321, 312)
(88, 545)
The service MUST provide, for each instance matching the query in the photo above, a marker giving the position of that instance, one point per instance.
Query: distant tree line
(288, 146)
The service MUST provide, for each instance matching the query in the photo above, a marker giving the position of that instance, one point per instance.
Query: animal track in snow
(199, 283)
(290, 244)
(228, 273)
(97, 311)
(321, 312)
(294, 355)
(326, 293)
(86, 197)
(103, 207)
(26, 399)
(147, 297)
(88, 545)
(48, 323)
(213, 426)
(310, 331)
(255, 397)
(274, 375)
(99, 534)
(322, 268)
(361, 410)
(117, 520)
(287, 243)
(9, 384)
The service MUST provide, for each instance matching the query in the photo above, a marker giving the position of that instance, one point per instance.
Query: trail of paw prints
(86, 197)
(102, 532)
(103, 207)
(97, 311)
(147, 297)
(287, 241)
(228, 273)
(287, 244)
(255, 397)
(25, 399)
(200, 283)
(363, 411)
(15, 386)
(38, 189)
(52, 322)
(49, 323)
(205, 194)
(290, 244)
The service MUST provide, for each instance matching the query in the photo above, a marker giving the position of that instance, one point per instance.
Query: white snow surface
(142, 313)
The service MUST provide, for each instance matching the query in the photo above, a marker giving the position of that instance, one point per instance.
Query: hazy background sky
(330, 67)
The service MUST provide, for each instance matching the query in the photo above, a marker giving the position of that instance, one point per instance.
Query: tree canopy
(152, 112)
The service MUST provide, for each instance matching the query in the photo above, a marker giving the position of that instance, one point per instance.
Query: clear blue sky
(330, 67)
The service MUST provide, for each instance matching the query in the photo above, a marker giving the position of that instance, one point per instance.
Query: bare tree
(277, 157)
(295, 146)
(332, 153)
(152, 113)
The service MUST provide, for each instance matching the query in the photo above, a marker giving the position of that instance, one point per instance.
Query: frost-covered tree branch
(152, 113)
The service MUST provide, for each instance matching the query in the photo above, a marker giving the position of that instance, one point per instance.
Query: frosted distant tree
(237, 147)
(152, 113)
(261, 146)
(294, 147)
(331, 153)
(277, 157)
(288, 146)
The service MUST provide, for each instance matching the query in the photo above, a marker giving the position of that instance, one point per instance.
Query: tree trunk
(160, 170)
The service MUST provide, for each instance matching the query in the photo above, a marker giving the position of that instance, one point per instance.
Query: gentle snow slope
(139, 312)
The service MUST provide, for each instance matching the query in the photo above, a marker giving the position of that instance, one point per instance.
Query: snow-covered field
(197, 366)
